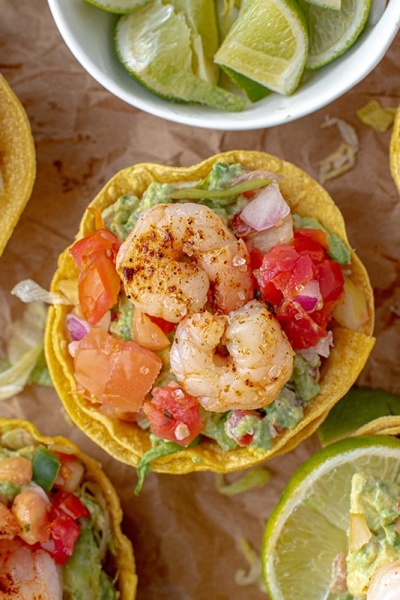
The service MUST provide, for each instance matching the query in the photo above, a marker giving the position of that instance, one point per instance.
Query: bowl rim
(274, 110)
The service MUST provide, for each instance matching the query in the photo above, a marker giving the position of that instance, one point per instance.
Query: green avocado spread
(376, 502)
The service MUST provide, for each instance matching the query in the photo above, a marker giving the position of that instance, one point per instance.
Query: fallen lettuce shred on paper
(25, 361)
(343, 158)
(252, 478)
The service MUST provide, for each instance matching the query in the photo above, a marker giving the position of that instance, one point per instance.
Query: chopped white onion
(267, 209)
(266, 239)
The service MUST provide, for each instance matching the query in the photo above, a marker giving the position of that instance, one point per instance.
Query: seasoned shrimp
(385, 583)
(258, 364)
(178, 256)
(9, 526)
(28, 574)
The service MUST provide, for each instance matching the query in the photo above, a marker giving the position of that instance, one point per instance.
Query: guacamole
(376, 503)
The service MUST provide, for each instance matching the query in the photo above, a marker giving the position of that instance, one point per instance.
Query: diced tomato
(165, 326)
(64, 533)
(314, 242)
(147, 333)
(331, 283)
(66, 504)
(66, 509)
(302, 331)
(99, 283)
(286, 271)
(173, 414)
(70, 473)
(114, 371)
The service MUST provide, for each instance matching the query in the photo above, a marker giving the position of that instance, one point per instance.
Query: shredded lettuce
(195, 193)
(24, 350)
(254, 575)
(252, 478)
(159, 449)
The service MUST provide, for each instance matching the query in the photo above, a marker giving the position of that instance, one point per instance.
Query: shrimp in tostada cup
(214, 314)
(17, 161)
(61, 521)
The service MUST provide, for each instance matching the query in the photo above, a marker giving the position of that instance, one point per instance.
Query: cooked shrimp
(258, 364)
(385, 583)
(9, 526)
(27, 574)
(178, 256)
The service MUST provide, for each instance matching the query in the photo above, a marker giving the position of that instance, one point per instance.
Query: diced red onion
(310, 296)
(267, 209)
(77, 328)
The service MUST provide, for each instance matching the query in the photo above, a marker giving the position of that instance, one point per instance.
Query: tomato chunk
(99, 283)
(303, 285)
(302, 331)
(116, 372)
(173, 414)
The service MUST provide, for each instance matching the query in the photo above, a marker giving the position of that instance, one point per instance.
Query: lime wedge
(201, 17)
(154, 45)
(359, 406)
(267, 43)
(307, 528)
(117, 6)
(332, 4)
(253, 90)
(332, 32)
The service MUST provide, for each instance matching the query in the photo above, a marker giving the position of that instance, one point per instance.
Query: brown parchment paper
(185, 534)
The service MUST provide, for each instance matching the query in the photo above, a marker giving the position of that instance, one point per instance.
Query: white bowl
(88, 32)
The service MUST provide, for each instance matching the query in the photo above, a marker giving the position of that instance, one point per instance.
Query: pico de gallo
(48, 504)
(121, 354)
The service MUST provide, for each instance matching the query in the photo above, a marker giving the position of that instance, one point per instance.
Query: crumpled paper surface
(186, 535)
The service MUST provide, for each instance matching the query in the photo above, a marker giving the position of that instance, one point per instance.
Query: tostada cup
(61, 520)
(209, 317)
(17, 161)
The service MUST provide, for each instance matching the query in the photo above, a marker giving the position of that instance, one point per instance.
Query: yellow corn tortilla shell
(388, 425)
(126, 578)
(395, 150)
(127, 442)
(17, 161)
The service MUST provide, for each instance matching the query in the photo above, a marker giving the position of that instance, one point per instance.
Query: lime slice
(307, 528)
(267, 43)
(332, 32)
(154, 45)
(359, 406)
(118, 6)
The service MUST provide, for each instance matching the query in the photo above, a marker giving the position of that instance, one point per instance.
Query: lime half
(118, 6)
(154, 44)
(307, 528)
(332, 32)
(268, 43)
